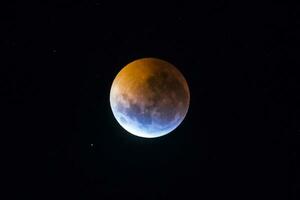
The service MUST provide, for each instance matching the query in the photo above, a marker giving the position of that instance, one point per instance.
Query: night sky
(240, 137)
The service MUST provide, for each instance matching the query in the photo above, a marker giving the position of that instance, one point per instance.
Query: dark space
(239, 140)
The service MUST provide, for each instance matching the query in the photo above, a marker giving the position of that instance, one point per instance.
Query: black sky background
(239, 139)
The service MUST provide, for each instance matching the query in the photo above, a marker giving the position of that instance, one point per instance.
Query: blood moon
(149, 97)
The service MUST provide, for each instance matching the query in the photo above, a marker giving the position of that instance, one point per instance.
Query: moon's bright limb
(149, 97)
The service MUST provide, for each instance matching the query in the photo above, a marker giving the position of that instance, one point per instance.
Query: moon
(149, 97)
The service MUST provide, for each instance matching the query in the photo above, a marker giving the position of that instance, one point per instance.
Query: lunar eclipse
(149, 97)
